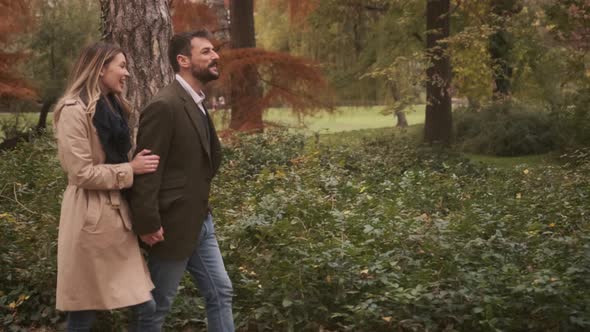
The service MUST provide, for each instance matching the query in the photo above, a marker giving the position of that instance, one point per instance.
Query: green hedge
(507, 129)
(379, 236)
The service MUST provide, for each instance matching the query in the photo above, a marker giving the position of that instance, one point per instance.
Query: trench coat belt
(114, 196)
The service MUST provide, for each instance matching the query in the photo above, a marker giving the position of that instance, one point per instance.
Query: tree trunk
(398, 111)
(42, 123)
(501, 45)
(402, 121)
(246, 93)
(143, 29)
(438, 124)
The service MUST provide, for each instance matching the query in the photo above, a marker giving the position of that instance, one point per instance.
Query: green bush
(575, 117)
(506, 129)
(31, 184)
(376, 236)
(13, 124)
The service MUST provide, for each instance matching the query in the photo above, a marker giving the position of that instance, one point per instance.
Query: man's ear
(183, 60)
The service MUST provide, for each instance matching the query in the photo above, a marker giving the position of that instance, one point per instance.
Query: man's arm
(155, 134)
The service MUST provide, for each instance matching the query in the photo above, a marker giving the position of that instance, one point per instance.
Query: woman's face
(114, 74)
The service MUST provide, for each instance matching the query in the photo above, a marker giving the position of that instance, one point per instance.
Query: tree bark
(143, 29)
(246, 112)
(438, 124)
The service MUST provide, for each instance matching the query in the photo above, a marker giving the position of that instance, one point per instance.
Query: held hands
(144, 162)
(153, 238)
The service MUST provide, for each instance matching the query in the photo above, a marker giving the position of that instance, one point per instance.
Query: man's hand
(153, 238)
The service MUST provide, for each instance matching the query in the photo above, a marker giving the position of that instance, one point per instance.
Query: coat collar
(192, 110)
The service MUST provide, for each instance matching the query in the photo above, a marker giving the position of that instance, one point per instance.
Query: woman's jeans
(81, 321)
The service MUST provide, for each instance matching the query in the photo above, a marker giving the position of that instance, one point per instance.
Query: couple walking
(160, 195)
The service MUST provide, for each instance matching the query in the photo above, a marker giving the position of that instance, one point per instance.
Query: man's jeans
(209, 275)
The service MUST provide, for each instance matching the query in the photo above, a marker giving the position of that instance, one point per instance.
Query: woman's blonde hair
(83, 83)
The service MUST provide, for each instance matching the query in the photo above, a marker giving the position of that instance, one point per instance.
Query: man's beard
(204, 75)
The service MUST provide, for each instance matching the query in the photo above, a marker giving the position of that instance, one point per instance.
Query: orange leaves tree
(15, 19)
(282, 79)
(187, 14)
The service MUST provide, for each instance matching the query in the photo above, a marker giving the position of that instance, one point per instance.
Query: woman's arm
(74, 146)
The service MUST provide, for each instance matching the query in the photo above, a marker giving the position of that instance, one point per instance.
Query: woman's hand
(153, 238)
(144, 162)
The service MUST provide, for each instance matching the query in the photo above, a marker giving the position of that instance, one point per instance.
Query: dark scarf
(113, 130)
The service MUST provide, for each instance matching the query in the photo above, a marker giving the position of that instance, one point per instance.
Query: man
(170, 207)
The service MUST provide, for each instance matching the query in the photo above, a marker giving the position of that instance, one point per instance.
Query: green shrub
(13, 124)
(575, 117)
(31, 185)
(506, 129)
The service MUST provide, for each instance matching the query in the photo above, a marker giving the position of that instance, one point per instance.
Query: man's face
(203, 60)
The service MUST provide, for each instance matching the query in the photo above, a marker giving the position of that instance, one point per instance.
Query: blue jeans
(209, 275)
(81, 321)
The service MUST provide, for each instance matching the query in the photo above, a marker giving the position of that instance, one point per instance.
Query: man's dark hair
(181, 44)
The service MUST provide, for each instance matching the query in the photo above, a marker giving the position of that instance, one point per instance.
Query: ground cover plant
(347, 234)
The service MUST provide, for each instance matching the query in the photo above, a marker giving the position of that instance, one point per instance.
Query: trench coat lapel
(191, 109)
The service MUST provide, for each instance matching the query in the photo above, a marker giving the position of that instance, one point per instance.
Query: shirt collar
(198, 97)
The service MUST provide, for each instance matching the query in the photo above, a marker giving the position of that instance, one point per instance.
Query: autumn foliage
(188, 15)
(15, 19)
(288, 80)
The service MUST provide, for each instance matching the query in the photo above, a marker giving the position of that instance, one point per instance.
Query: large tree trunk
(143, 29)
(438, 124)
(246, 93)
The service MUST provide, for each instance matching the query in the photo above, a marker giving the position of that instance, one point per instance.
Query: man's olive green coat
(176, 196)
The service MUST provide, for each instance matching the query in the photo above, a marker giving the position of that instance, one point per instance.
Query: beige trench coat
(99, 265)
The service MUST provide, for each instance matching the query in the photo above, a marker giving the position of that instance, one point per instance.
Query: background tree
(143, 28)
(193, 15)
(438, 122)
(63, 28)
(246, 91)
(472, 65)
(399, 57)
(342, 36)
(16, 19)
(501, 45)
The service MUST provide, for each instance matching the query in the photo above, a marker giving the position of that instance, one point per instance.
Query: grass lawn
(345, 118)
(347, 124)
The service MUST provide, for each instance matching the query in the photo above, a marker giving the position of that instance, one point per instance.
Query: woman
(99, 264)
